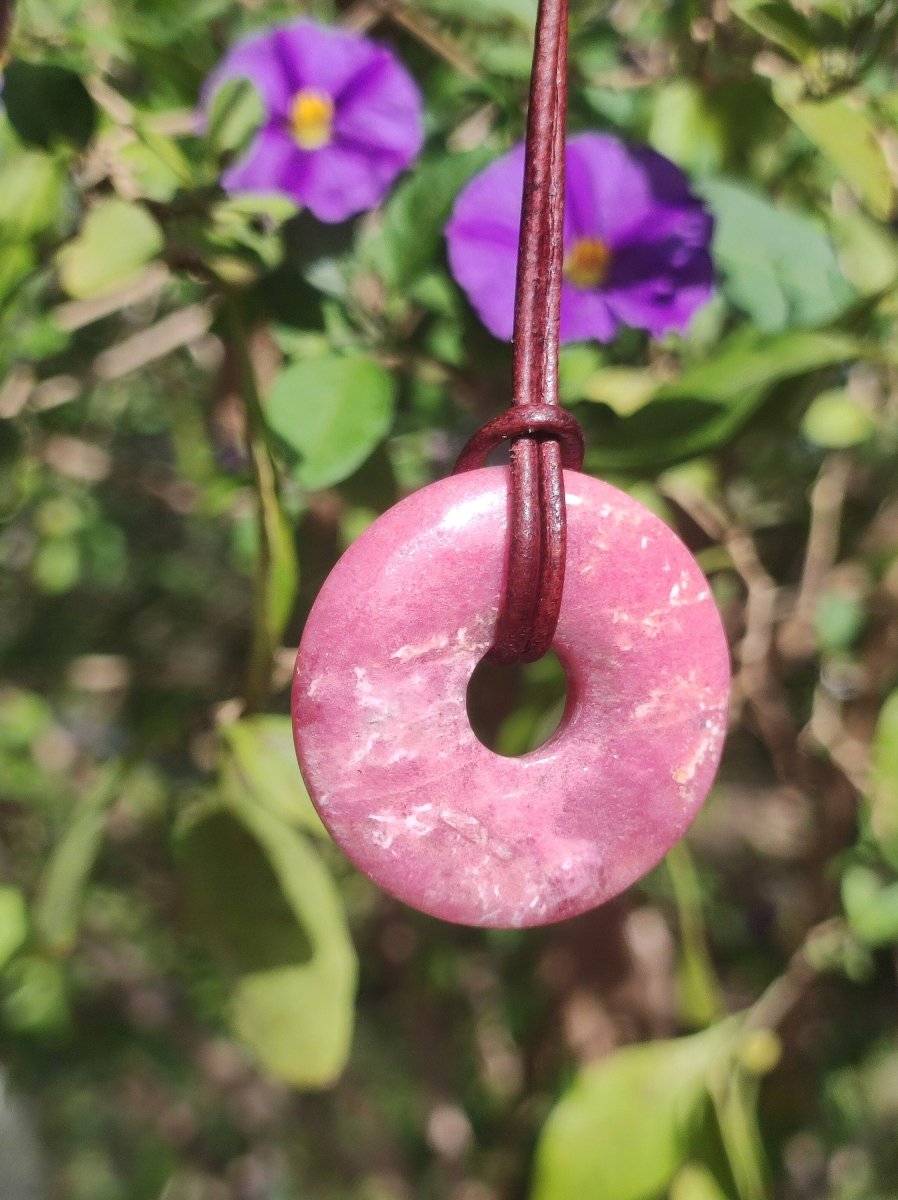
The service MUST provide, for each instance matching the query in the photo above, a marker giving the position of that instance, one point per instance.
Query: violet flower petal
(340, 181)
(482, 240)
(273, 164)
(257, 60)
(381, 108)
(585, 316)
(325, 59)
(608, 189)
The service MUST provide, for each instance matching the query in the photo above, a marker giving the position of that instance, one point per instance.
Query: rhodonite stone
(382, 732)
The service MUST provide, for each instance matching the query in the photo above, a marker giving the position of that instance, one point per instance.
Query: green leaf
(749, 360)
(411, 236)
(777, 266)
(16, 263)
(268, 909)
(48, 104)
(629, 1122)
(577, 363)
(710, 402)
(13, 923)
(31, 191)
(156, 165)
(235, 114)
(116, 242)
(882, 788)
(833, 420)
(57, 913)
(780, 23)
(686, 128)
(735, 1095)
(624, 389)
(870, 907)
(696, 1182)
(699, 991)
(868, 252)
(838, 620)
(263, 763)
(35, 999)
(278, 576)
(331, 412)
(488, 13)
(847, 136)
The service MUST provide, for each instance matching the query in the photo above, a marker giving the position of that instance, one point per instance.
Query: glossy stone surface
(382, 732)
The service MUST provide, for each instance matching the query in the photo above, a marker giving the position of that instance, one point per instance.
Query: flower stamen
(312, 119)
(586, 263)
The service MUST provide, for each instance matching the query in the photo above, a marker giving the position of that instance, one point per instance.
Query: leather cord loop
(540, 421)
(544, 438)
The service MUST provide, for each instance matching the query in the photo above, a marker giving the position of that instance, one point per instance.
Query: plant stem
(276, 574)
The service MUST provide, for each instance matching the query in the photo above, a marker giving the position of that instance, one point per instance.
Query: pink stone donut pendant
(382, 731)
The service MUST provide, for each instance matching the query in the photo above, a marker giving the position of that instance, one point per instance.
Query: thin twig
(827, 501)
(368, 13)
(175, 330)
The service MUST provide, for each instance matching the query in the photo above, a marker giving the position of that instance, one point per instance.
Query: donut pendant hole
(515, 708)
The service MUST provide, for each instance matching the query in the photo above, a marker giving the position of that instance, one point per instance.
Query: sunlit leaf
(116, 242)
(686, 129)
(871, 906)
(235, 113)
(780, 23)
(156, 165)
(868, 252)
(624, 389)
(883, 780)
(847, 136)
(628, 1123)
(696, 1182)
(834, 420)
(776, 265)
(31, 190)
(263, 763)
(331, 413)
(735, 1095)
(710, 402)
(13, 923)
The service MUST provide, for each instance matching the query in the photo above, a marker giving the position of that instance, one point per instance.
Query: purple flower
(342, 118)
(635, 239)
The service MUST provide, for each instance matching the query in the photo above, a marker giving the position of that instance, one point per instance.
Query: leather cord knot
(544, 438)
(541, 422)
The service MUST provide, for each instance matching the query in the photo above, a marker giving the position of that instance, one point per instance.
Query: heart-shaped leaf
(116, 242)
(331, 413)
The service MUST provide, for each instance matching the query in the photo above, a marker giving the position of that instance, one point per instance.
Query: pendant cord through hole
(544, 438)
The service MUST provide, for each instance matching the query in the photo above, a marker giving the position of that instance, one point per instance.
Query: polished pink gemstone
(384, 740)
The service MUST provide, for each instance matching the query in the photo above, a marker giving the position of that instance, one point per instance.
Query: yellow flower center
(586, 263)
(312, 119)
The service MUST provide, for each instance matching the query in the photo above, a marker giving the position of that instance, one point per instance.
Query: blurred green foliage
(203, 400)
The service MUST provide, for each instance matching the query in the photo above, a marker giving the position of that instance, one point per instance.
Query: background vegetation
(204, 400)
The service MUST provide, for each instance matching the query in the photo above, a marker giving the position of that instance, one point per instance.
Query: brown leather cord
(544, 437)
